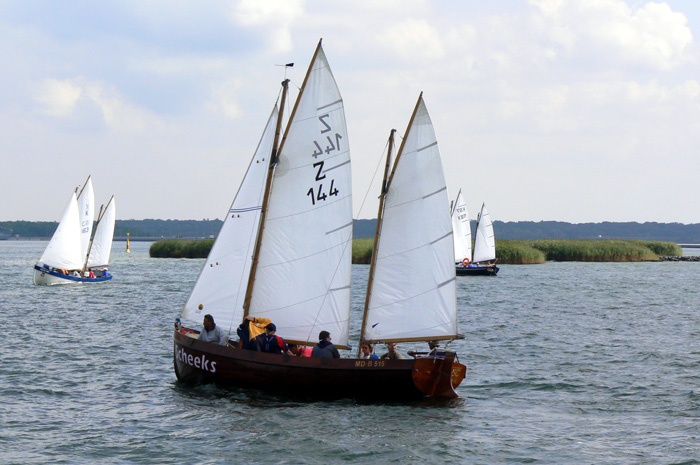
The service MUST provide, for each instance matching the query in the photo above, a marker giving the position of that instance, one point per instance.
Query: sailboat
(284, 253)
(77, 252)
(483, 262)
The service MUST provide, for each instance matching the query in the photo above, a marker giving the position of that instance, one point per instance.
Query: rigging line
(369, 188)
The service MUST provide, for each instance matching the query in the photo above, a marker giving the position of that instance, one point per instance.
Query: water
(567, 363)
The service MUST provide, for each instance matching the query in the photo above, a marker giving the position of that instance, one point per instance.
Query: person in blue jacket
(367, 350)
(325, 347)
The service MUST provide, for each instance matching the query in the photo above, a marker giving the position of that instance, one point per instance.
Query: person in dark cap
(212, 333)
(325, 347)
(271, 343)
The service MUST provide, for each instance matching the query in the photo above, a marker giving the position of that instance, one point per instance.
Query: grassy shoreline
(510, 252)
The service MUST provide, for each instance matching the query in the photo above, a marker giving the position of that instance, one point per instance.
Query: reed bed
(362, 250)
(515, 252)
(181, 248)
(594, 250)
(512, 252)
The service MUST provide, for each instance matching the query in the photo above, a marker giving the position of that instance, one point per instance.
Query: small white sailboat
(284, 253)
(77, 252)
(483, 261)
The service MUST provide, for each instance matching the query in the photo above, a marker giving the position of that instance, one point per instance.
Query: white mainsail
(104, 233)
(413, 293)
(221, 284)
(302, 278)
(462, 229)
(484, 240)
(86, 205)
(63, 251)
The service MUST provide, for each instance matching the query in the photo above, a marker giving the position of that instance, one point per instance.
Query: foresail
(102, 240)
(461, 229)
(86, 204)
(484, 240)
(221, 284)
(302, 280)
(63, 251)
(414, 295)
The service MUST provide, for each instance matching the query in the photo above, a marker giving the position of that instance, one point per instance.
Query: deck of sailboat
(198, 362)
(486, 270)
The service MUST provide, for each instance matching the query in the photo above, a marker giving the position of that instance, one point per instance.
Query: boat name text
(197, 362)
(369, 363)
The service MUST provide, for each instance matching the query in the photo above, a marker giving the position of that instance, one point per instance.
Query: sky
(567, 110)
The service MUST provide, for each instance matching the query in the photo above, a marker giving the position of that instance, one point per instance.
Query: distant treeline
(517, 230)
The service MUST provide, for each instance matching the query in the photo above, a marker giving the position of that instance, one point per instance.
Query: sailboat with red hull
(284, 253)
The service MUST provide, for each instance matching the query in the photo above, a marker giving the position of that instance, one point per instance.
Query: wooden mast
(268, 183)
(92, 236)
(101, 214)
(266, 195)
(380, 214)
(82, 188)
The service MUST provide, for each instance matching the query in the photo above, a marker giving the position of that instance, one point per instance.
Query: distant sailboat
(77, 253)
(284, 253)
(483, 261)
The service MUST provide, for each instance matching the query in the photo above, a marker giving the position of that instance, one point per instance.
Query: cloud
(414, 39)
(652, 36)
(225, 98)
(58, 97)
(76, 98)
(274, 17)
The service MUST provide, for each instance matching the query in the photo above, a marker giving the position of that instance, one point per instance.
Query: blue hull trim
(72, 278)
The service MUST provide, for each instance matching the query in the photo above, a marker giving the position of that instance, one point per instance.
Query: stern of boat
(437, 377)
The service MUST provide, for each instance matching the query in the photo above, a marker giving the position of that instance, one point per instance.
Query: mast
(266, 195)
(268, 183)
(77, 194)
(376, 239)
(92, 236)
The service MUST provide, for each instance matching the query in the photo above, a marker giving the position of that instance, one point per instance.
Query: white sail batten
(414, 290)
(302, 280)
(86, 204)
(461, 229)
(484, 240)
(221, 284)
(64, 250)
(102, 240)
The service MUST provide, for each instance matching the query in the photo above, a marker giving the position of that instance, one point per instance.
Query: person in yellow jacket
(250, 328)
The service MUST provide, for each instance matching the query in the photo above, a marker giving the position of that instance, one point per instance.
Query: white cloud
(653, 35)
(273, 16)
(414, 39)
(58, 97)
(225, 98)
(65, 98)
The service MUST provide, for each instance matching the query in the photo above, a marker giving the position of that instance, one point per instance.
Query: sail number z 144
(317, 193)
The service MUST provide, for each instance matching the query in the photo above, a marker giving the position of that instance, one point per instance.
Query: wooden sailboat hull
(198, 362)
(45, 276)
(490, 270)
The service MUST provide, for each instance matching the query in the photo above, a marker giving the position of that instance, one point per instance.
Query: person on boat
(212, 333)
(392, 353)
(366, 348)
(325, 347)
(300, 351)
(271, 343)
(249, 329)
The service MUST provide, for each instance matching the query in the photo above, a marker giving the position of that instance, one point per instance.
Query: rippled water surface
(567, 363)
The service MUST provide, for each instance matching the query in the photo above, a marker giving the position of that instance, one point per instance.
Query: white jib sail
(63, 251)
(484, 240)
(222, 281)
(86, 204)
(414, 290)
(303, 276)
(461, 229)
(102, 241)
